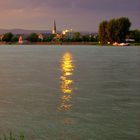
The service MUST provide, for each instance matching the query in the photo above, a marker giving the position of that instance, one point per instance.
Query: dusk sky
(80, 15)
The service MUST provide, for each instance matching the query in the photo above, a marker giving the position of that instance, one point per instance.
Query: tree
(7, 37)
(103, 36)
(85, 38)
(77, 36)
(49, 38)
(123, 24)
(114, 30)
(14, 38)
(135, 34)
(33, 37)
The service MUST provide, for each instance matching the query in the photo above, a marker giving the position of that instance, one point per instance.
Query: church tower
(54, 28)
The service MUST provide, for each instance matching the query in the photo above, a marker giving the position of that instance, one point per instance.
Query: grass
(11, 136)
(134, 44)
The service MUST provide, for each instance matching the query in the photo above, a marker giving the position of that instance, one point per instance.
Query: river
(70, 92)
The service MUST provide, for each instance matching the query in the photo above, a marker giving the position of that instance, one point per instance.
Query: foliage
(33, 37)
(85, 38)
(14, 38)
(103, 36)
(49, 38)
(13, 137)
(7, 37)
(114, 30)
(123, 25)
(135, 34)
(77, 37)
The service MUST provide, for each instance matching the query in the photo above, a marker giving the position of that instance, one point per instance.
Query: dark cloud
(110, 5)
(103, 5)
(80, 14)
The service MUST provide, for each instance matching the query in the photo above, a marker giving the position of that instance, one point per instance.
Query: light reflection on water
(67, 68)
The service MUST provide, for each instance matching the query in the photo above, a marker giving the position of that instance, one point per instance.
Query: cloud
(106, 5)
(80, 14)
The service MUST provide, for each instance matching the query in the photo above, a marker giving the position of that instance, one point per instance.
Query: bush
(7, 37)
(33, 37)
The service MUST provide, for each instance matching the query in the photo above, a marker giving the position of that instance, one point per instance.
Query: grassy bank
(62, 43)
(51, 43)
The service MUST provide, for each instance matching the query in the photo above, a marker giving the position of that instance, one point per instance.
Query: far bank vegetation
(109, 32)
(117, 30)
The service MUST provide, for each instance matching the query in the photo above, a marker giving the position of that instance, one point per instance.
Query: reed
(12, 136)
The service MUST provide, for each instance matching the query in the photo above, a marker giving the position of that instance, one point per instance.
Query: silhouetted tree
(33, 37)
(85, 38)
(49, 38)
(123, 25)
(135, 34)
(77, 37)
(103, 36)
(7, 37)
(114, 30)
(14, 38)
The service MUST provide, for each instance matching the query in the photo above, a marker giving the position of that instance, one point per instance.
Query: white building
(68, 33)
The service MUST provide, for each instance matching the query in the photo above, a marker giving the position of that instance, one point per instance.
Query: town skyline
(80, 15)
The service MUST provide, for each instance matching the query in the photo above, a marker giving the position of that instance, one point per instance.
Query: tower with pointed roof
(54, 28)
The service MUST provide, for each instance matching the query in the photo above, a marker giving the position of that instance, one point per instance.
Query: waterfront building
(20, 40)
(40, 36)
(68, 33)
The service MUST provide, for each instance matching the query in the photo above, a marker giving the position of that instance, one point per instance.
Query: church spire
(54, 28)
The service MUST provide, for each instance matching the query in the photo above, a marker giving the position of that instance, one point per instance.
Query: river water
(70, 92)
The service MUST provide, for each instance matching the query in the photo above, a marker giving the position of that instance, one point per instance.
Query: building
(54, 28)
(20, 40)
(129, 40)
(40, 36)
(68, 33)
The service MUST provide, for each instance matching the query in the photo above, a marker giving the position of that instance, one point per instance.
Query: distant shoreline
(63, 43)
(51, 43)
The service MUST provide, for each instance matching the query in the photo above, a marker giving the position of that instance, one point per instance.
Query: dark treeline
(34, 37)
(117, 30)
(134, 34)
(114, 30)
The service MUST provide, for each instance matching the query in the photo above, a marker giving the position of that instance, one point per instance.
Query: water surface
(70, 92)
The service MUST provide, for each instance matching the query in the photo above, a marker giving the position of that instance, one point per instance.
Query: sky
(79, 15)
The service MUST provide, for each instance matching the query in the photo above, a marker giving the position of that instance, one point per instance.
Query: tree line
(117, 30)
(109, 32)
(114, 30)
(34, 37)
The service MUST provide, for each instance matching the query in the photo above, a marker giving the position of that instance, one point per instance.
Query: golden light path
(67, 68)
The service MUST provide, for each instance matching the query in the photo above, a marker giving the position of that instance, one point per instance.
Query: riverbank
(51, 43)
(62, 43)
